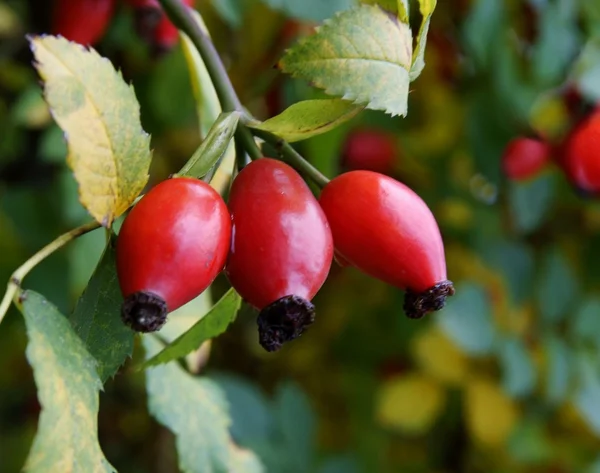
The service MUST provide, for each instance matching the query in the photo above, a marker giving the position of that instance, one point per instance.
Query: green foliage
(378, 57)
(557, 289)
(531, 201)
(519, 374)
(426, 7)
(68, 386)
(108, 150)
(315, 10)
(196, 412)
(213, 148)
(309, 118)
(97, 318)
(214, 323)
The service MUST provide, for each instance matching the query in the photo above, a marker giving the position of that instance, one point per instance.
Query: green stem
(246, 139)
(17, 277)
(293, 157)
(181, 17)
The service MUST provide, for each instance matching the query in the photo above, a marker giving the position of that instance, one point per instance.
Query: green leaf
(68, 386)
(214, 323)
(585, 324)
(195, 410)
(362, 55)
(516, 262)
(586, 71)
(97, 317)
(99, 113)
(232, 11)
(518, 371)
(426, 7)
(296, 424)
(309, 118)
(531, 201)
(485, 22)
(558, 370)
(310, 10)
(205, 95)
(214, 146)
(586, 397)
(530, 444)
(557, 288)
(467, 320)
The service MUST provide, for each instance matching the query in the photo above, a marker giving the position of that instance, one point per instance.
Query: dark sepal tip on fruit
(283, 321)
(418, 304)
(144, 311)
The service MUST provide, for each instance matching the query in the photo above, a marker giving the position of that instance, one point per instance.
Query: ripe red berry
(82, 21)
(281, 248)
(524, 158)
(171, 247)
(581, 159)
(371, 150)
(386, 230)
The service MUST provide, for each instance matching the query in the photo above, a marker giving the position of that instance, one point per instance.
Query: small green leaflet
(214, 146)
(68, 386)
(309, 118)
(426, 8)
(214, 323)
(366, 44)
(109, 152)
(401, 7)
(196, 411)
(97, 317)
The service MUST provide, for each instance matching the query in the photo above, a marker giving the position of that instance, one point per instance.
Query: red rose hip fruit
(386, 230)
(171, 247)
(582, 154)
(524, 158)
(82, 21)
(281, 248)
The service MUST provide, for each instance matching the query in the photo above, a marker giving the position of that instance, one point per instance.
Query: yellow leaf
(410, 403)
(439, 357)
(108, 150)
(490, 414)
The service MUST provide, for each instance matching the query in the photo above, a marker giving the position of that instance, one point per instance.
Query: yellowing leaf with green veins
(98, 112)
(426, 8)
(68, 386)
(309, 118)
(362, 55)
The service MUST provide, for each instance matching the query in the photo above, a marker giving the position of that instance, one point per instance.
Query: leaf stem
(246, 139)
(14, 284)
(293, 157)
(181, 17)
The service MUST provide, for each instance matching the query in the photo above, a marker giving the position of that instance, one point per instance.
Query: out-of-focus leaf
(484, 23)
(68, 386)
(586, 70)
(232, 11)
(529, 443)
(557, 43)
(558, 369)
(490, 414)
(426, 8)
(410, 403)
(251, 413)
(518, 371)
(97, 318)
(99, 113)
(439, 357)
(378, 58)
(214, 146)
(214, 323)
(531, 201)
(296, 425)
(309, 118)
(467, 320)
(30, 110)
(586, 397)
(195, 410)
(557, 287)
(339, 464)
(311, 10)
(53, 147)
(585, 323)
(516, 262)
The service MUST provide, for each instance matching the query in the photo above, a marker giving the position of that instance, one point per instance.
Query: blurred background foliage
(505, 379)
